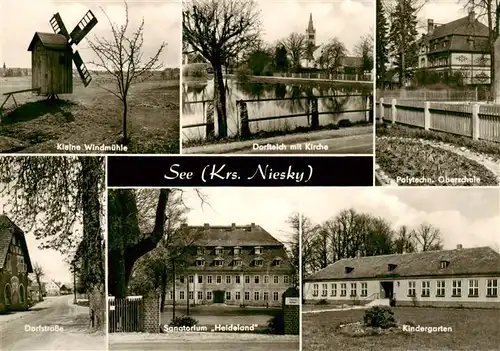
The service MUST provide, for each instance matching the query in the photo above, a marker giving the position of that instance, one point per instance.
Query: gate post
(151, 313)
(291, 311)
(314, 113)
(245, 125)
(381, 113)
(209, 117)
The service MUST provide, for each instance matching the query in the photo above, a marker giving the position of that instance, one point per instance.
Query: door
(45, 80)
(218, 296)
(388, 290)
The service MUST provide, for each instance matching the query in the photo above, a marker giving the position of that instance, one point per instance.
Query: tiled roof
(248, 235)
(472, 261)
(7, 230)
(50, 40)
(460, 26)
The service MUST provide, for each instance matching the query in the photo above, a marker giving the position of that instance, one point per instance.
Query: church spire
(310, 28)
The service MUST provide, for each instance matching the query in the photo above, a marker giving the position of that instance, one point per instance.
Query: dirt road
(54, 324)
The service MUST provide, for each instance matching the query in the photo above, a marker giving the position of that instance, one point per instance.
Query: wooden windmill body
(52, 57)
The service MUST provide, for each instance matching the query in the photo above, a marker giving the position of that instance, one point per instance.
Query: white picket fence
(474, 120)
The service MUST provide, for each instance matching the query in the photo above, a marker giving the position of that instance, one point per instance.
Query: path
(55, 313)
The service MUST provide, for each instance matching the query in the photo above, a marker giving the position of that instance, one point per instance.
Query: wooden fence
(429, 95)
(311, 112)
(477, 121)
(327, 76)
(126, 315)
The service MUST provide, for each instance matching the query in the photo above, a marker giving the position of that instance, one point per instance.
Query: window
(21, 293)
(275, 296)
(228, 279)
(209, 295)
(364, 289)
(181, 279)
(391, 267)
(200, 262)
(191, 295)
(266, 279)
(256, 279)
(315, 289)
(219, 251)
(286, 279)
(247, 295)
(266, 296)
(426, 288)
(354, 289)
(334, 290)
(276, 279)
(209, 279)
(474, 287)
(8, 294)
(237, 295)
(441, 287)
(343, 289)
(237, 279)
(238, 262)
(258, 250)
(277, 262)
(8, 263)
(218, 279)
(200, 251)
(228, 295)
(200, 295)
(457, 288)
(237, 251)
(171, 295)
(492, 288)
(200, 279)
(258, 263)
(20, 264)
(444, 264)
(181, 295)
(218, 263)
(324, 289)
(256, 296)
(412, 288)
(191, 279)
(247, 279)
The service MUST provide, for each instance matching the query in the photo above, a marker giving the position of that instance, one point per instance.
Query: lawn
(94, 116)
(472, 329)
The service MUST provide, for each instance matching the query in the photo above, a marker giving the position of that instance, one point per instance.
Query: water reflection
(293, 100)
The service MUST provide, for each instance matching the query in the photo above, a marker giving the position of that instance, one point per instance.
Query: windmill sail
(83, 27)
(82, 69)
(58, 25)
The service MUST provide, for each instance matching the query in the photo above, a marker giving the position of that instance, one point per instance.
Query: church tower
(311, 31)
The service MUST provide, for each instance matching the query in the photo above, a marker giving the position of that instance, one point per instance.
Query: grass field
(473, 329)
(94, 116)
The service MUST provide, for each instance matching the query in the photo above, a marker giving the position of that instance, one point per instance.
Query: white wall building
(461, 277)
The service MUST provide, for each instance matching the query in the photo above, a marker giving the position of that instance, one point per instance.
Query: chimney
(206, 226)
(430, 26)
(252, 227)
(459, 247)
(472, 16)
(233, 226)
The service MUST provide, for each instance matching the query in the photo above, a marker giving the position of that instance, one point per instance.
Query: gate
(126, 314)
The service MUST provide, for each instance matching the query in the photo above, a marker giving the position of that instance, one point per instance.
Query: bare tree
(428, 238)
(219, 30)
(404, 241)
(296, 47)
(364, 49)
(39, 274)
(122, 58)
(332, 55)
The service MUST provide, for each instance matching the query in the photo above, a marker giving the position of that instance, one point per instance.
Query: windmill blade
(58, 25)
(83, 27)
(82, 69)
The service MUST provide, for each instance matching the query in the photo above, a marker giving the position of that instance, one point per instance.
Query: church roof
(310, 27)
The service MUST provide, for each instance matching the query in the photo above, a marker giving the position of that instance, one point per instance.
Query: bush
(343, 123)
(243, 75)
(199, 70)
(322, 302)
(277, 323)
(379, 317)
(184, 321)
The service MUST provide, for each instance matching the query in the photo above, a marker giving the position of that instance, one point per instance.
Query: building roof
(224, 236)
(7, 230)
(461, 26)
(471, 261)
(50, 41)
(352, 61)
(310, 27)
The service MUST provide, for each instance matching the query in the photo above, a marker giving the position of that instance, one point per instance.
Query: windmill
(52, 56)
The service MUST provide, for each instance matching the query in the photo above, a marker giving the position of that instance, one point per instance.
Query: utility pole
(74, 283)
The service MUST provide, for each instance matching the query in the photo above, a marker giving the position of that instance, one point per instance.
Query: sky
(22, 18)
(267, 207)
(470, 217)
(52, 262)
(346, 19)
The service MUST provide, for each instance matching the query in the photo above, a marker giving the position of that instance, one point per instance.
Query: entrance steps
(378, 302)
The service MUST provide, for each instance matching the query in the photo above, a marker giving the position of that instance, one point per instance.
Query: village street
(54, 313)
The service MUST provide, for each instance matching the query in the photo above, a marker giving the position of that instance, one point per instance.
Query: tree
(39, 274)
(403, 37)
(122, 58)
(428, 238)
(296, 46)
(381, 42)
(219, 30)
(59, 199)
(280, 58)
(364, 49)
(260, 63)
(332, 55)
(404, 241)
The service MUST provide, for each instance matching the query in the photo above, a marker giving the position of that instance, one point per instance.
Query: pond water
(292, 99)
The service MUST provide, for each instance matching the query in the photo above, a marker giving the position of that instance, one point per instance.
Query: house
(460, 277)
(15, 264)
(234, 265)
(52, 288)
(51, 62)
(64, 290)
(460, 46)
